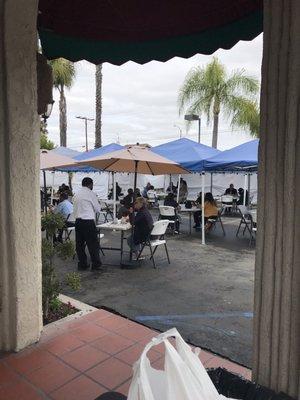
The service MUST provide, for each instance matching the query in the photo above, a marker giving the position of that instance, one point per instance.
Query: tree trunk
(63, 118)
(276, 359)
(98, 122)
(215, 130)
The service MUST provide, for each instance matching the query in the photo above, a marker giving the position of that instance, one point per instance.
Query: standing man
(86, 206)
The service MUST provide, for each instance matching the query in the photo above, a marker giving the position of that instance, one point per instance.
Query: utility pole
(86, 137)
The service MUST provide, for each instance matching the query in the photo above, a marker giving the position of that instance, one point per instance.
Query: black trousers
(86, 235)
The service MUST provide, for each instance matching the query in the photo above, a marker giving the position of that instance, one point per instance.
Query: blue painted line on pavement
(163, 318)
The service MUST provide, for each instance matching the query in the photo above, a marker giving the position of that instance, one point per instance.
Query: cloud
(140, 101)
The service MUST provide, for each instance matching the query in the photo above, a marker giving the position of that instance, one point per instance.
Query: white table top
(193, 209)
(113, 226)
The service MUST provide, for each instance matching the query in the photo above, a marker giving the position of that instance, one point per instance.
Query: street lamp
(180, 130)
(194, 117)
(48, 111)
(85, 123)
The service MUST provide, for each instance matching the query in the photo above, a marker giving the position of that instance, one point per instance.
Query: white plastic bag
(183, 378)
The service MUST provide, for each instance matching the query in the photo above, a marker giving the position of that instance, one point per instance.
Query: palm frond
(239, 83)
(64, 72)
(245, 114)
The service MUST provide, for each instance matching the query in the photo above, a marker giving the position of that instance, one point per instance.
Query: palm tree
(63, 77)
(98, 122)
(210, 90)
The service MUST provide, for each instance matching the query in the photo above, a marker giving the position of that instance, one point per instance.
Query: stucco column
(20, 261)
(277, 282)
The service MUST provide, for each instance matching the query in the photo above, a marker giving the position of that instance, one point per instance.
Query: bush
(50, 283)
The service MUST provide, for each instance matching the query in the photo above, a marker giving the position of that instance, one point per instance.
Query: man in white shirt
(86, 206)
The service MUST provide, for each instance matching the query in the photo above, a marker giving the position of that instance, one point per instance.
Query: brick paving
(81, 359)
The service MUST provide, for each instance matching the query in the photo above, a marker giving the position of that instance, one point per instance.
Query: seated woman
(143, 224)
(128, 199)
(210, 211)
(171, 202)
(65, 209)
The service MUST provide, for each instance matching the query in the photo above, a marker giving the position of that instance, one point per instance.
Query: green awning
(91, 36)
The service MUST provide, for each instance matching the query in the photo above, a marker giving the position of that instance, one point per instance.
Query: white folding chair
(156, 239)
(245, 219)
(151, 197)
(168, 212)
(226, 202)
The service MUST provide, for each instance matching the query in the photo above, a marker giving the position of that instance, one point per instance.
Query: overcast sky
(140, 101)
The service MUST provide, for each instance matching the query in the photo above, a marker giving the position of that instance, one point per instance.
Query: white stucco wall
(20, 261)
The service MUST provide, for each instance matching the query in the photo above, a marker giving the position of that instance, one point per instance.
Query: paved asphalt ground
(206, 291)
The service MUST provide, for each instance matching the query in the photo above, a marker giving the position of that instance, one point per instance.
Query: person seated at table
(65, 209)
(240, 201)
(172, 188)
(145, 190)
(143, 224)
(128, 199)
(64, 188)
(197, 214)
(137, 193)
(210, 211)
(183, 190)
(231, 190)
(171, 202)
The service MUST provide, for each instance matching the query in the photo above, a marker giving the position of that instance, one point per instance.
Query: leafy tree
(45, 143)
(98, 123)
(63, 77)
(210, 90)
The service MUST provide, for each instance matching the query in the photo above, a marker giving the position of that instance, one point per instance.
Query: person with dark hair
(210, 211)
(143, 224)
(65, 209)
(118, 192)
(128, 200)
(231, 190)
(145, 190)
(86, 206)
(137, 193)
(171, 202)
(241, 197)
(64, 189)
(197, 214)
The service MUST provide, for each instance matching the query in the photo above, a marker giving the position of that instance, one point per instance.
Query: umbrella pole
(114, 195)
(245, 188)
(134, 197)
(178, 188)
(52, 187)
(211, 182)
(202, 208)
(249, 187)
(45, 191)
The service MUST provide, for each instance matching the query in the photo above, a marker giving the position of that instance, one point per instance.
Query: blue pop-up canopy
(188, 153)
(243, 157)
(90, 154)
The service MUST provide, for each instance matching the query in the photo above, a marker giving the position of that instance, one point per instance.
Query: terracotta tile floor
(83, 358)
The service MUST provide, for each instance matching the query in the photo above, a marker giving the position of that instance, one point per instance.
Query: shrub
(50, 283)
